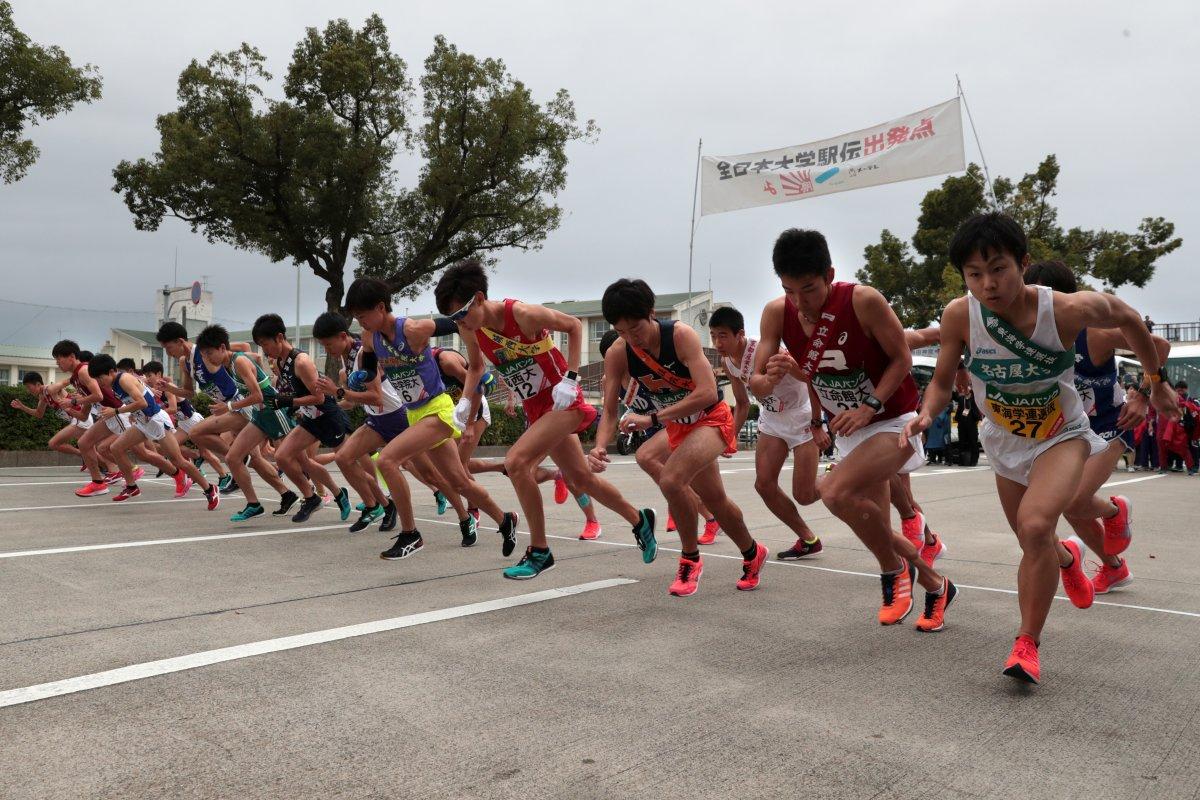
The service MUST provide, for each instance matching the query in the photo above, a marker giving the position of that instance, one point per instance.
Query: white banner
(929, 142)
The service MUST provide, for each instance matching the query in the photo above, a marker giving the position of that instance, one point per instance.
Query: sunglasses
(461, 314)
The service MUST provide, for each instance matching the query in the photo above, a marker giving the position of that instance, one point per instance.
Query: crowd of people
(1024, 350)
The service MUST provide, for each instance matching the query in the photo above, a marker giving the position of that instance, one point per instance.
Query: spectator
(1190, 419)
(1173, 440)
(1145, 439)
(966, 416)
(1149, 323)
(938, 437)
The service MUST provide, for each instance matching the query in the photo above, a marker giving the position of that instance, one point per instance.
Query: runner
(516, 338)
(90, 398)
(185, 417)
(245, 384)
(316, 414)
(854, 355)
(666, 358)
(148, 423)
(401, 345)
(74, 428)
(785, 425)
(654, 450)
(1104, 525)
(1017, 340)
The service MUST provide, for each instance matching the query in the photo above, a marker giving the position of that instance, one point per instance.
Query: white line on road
(50, 551)
(150, 669)
(1133, 480)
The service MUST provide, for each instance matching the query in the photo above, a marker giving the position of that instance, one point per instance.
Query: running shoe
(360, 506)
(934, 616)
(138, 474)
(182, 483)
(326, 498)
(687, 578)
(389, 517)
(643, 533)
(711, 529)
(198, 463)
(752, 569)
(531, 565)
(561, 492)
(307, 506)
(212, 496)
(1074, 580)
(1107, 578)
(441, 501)
(343, 503)
(1022, 663)
(591, 530)
(286, 501)
(800, 549)
(407, 543)
(368, 516)
(466, 527)
(897, 595)
(92, 489)
(227, 485)
(670, 523)
(112, 477)
(126, 493)
(913, 529)
(1118, 530)
(932, 552)
(474, 512)
(251, 510)
(508, 534)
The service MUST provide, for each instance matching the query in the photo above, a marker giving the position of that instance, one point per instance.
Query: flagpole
(987, 175)
(692, 241)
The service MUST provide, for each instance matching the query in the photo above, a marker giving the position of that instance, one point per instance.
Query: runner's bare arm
(937, 394)
(532, 318)
(687, 347)
(880, 323)
(454, 365)
(38, 412)
(254, 396)
(418, 332)
(616, 374)
(242, 347)
(770, 335)
(306, 370)
(742, 410)
(188, 390)
(925, 337)
(1103, 341)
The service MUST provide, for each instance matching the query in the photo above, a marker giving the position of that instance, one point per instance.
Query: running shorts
(892, 427)
(719, 417)
(1012, 457)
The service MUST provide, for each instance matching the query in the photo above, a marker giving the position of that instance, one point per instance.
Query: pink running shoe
(591, 530)
(711, 529)
(913, 529)
(92, 489)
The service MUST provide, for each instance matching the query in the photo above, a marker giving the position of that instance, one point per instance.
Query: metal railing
(1178, 331)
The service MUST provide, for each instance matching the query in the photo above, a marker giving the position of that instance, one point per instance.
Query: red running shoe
(182, 483)
(800, 549)
(687, 578)
(1022, 663)
(1118, 530)
(560, 489)
(112, 477)
(913, 529)
(591, 530)
(670, 522)
(126, 493)
(1075, 581)
(92, 489)
(711, 529)
(752, 569)
(1107, 578)
(932, 552)
(213, 496)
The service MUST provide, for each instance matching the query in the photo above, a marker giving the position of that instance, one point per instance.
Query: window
(597, 328)
(445, 342)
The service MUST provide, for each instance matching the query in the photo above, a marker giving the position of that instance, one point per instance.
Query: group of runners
(832, 358)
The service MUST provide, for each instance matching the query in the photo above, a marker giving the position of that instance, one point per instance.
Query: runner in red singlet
(845, 340)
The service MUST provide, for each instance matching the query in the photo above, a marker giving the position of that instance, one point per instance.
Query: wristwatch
(572, 375)
(873, 402)
(653, 419)
(341, 393)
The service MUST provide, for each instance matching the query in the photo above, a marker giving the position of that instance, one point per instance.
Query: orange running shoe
(1107, 578)
(1118, 530)
(670, 522)
(560, 489)
(752, 569)
(932, 552)
(913, 529)
(687, 578)
(934, 616)
(591, 530)
(1075, 581)
(711, 529)
(92, 489)
(897, 595)
(1022, 663)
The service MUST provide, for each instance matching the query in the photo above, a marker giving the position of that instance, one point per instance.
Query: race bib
(1030, 416)
(407, 383)
(523, 376)
(662, 400)
(771, 403)
(1087, 395)
(842, 392)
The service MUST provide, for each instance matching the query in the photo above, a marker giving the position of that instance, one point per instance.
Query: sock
(903, 566)
(940, 590)
(583, 500)
(692, 556)
(541, 550)
(750, 552)
(813, 540)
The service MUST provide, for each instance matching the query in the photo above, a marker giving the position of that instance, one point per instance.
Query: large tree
(311, 177)
(37, 82)
(919, 280)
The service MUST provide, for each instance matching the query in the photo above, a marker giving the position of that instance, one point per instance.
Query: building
(16, 360)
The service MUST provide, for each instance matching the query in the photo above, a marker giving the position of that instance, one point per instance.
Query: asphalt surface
(611, 689)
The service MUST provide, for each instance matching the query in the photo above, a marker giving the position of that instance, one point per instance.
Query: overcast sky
(1110, 87)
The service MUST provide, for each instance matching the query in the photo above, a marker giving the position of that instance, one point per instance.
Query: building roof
(146, 337)
(591, 308)
(25, 351)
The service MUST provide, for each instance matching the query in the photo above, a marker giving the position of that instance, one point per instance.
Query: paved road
(473, 686)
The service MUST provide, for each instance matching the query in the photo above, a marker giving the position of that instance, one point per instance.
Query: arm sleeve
(444, 326)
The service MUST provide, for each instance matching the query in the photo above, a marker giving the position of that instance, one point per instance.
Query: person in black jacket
(966, 416)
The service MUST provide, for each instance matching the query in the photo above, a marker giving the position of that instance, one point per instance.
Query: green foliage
(310, 177)
(919, 279)
(36, 82)
(504, 429)
(18, 430)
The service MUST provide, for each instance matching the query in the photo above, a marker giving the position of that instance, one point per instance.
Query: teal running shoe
(468, 530)
(251, 510)
(643, 533)
(530, 566)
(441, 502)
(343, 503)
